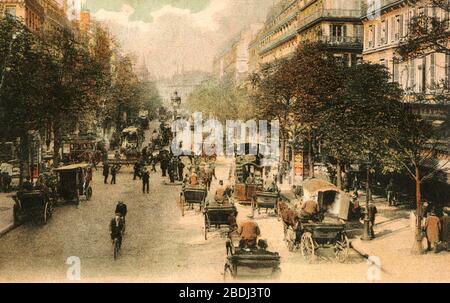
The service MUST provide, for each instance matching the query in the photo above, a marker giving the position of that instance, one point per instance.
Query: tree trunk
(338, 174)
(310, 158)
(417, 248)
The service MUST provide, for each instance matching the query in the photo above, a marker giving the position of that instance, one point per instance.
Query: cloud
(179, 35)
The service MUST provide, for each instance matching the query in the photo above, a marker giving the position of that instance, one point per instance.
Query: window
(338, 32)
(422, 74)
(433, 70)
(383, 32)
(412, 75)
(395, 71)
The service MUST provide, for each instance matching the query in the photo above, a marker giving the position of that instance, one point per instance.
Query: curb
(6, 229)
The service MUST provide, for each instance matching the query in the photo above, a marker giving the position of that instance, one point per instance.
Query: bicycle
(117, 245)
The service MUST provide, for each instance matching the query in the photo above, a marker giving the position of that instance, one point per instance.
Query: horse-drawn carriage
(81, 148)
(255, 263)
(73, 181)
(217, 215)
(33, 205)
(326, 229)
(192, 195)
(245, 191)
(265, 200)
(131, 141)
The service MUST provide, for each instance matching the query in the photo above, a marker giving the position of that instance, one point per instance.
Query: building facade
(234, 59)
(30, 12)
(384, 33)
(385, 27)
(36, 14)
(292, 23)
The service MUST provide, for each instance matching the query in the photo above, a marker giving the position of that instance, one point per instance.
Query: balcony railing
(334, 40)
(372, 7)
(328, 13)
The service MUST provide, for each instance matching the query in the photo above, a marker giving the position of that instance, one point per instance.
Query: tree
(73, 81)
(415, 140)
(210, 97)
(274, 96)
(150, 97)
(412, 143)
(356, 116)
(124, 98)
(296, 90)
(428, 30)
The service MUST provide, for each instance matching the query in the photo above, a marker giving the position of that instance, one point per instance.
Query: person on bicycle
(116, 227)
(121, 209)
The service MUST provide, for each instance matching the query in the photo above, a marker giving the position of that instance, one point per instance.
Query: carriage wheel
(89, 193)
(45, 214)
(307, 246)
(228, 273)
(342, 248)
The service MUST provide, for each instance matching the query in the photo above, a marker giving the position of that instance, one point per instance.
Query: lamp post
(176, 102)
(366, 233)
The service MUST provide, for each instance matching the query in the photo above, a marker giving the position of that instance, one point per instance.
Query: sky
(175, 35)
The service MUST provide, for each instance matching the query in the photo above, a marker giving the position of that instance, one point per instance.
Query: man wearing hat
(432, 228)
(145, 180)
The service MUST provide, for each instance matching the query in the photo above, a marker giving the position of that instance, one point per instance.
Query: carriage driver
(220, 194)
(249, 232)
(310, 209)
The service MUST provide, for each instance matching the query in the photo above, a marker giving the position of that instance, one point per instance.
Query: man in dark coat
(145, 181)
(136, 170)
(172, 170)
(116, 227)
(180, 169)
(113, 174)
(105, 172)
(372, 216)
(164, 165)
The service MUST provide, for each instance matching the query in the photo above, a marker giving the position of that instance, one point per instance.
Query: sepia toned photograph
(224, 141)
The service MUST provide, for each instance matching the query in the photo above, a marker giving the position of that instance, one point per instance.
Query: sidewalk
(6, 213)
(392, 249)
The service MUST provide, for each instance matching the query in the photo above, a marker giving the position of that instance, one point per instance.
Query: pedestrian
(445, 227)
(432, 229)
(164, 165)
(153, 161)
(390, 193)
(136, 170)
(172, 170)
(372, 216)
(113, 174)
(105, 172)
(145, 181)
(180, 169)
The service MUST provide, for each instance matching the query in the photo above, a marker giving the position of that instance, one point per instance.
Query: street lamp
(366, 232)
(176, 102)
